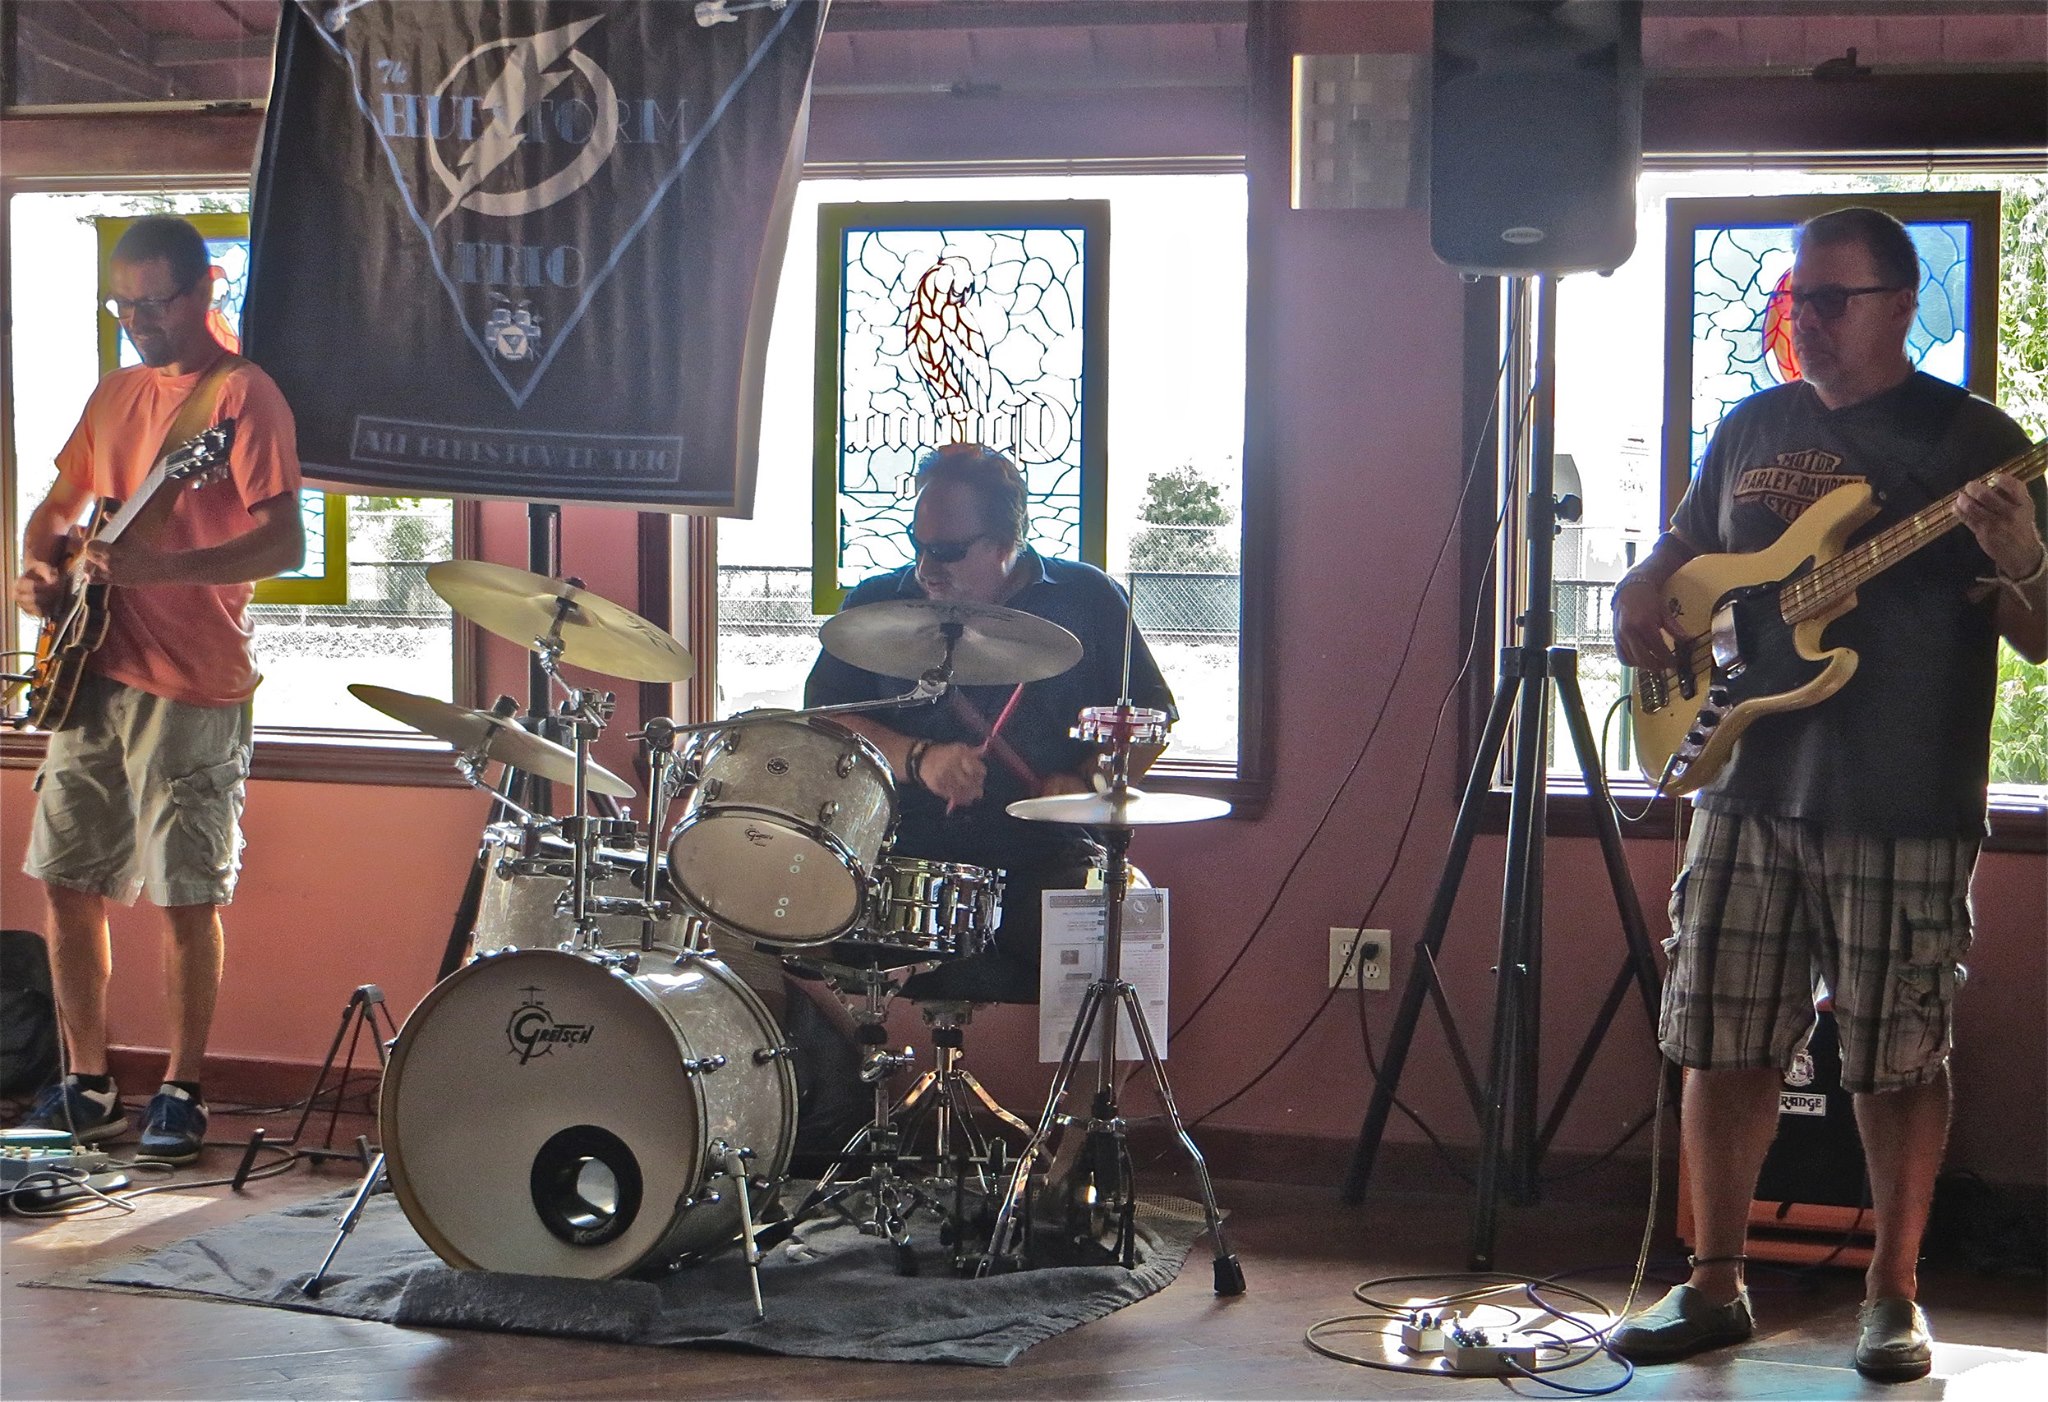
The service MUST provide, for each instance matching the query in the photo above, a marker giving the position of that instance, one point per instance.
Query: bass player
(141, 791)
(1838, 843)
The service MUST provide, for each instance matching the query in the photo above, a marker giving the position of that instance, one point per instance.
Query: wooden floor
(1302, 1254)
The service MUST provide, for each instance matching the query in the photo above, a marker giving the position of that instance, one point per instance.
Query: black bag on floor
(28, 1014)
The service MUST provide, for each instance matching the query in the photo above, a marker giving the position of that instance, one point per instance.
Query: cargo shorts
(1767, 912)
(142, 795)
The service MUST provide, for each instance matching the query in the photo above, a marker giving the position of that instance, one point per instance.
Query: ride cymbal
(907, 637)
(499, 738)
(596, 633)
(1120, 808)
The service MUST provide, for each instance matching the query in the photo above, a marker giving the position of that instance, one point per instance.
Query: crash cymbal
(596, 633)
(501, 739)
(907, 637)
(1120, 808)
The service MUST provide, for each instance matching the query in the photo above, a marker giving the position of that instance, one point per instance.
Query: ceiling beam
(848, 16)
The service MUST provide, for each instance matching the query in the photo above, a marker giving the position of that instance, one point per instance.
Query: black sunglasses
(944, 552)
(1828, 301)
(122, 308)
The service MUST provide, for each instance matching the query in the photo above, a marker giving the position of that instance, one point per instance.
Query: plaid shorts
(1769, 912)
(141, 794)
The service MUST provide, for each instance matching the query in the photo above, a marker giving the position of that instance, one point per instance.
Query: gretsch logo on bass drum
(533, 1031)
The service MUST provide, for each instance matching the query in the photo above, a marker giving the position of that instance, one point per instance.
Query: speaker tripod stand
(1511, 1144)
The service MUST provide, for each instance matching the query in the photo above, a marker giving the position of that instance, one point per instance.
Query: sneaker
(88, 1116)
(1680, 1325)
(1894, 1344)
(173, 1128)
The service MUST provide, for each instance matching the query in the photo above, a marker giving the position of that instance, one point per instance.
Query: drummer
(955, 780)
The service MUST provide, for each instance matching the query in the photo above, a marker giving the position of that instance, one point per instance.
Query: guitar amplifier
(1810, 1197)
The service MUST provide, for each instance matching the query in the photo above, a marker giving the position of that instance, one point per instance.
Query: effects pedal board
(42, 1169)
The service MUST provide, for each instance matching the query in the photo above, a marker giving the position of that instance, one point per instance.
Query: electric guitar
(1746, 629)
(78, 623)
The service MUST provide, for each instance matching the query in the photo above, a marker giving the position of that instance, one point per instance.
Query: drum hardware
(373, 1179)
(1119, 809)
(886, 1167)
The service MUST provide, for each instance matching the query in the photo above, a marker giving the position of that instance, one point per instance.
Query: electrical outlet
(1371, 965)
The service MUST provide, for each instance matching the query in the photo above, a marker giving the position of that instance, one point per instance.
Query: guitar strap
(193, 418)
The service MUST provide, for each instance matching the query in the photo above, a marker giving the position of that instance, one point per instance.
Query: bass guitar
(1746, 629)
(78, 623)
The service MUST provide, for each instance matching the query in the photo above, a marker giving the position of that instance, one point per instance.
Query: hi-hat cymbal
(907, 637)
(1120, 808)
(499, 738)
(596, 633)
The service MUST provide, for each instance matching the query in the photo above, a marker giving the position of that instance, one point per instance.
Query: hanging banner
(528, 248)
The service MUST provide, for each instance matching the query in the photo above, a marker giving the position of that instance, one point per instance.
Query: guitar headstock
(202, 458)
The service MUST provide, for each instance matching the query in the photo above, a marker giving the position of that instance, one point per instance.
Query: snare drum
(524, 902)
(548, 1114)
(921, 910)
(780, 836)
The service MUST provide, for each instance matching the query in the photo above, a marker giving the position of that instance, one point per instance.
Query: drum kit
(597, 1092)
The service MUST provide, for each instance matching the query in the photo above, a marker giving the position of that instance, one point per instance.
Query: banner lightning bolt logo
(511, 100)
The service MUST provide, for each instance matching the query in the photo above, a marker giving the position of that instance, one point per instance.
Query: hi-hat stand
(1506, 1104)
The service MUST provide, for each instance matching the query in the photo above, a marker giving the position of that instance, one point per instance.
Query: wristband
(913, 763)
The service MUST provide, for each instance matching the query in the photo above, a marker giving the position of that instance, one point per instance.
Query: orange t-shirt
(188, 642)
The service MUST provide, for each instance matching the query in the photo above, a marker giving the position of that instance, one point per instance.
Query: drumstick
(1008, 706)
(989, 739)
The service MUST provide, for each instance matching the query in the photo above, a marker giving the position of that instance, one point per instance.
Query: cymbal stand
(1107, 1150)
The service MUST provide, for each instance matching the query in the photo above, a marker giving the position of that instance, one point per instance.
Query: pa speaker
(1536, 118)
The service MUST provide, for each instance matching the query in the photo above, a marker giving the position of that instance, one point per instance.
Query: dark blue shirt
(1081, 599)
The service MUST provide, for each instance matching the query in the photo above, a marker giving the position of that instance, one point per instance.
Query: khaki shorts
(141, 795)
(1767, 909)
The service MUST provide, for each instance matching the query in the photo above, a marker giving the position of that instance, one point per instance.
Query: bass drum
(548, 1114)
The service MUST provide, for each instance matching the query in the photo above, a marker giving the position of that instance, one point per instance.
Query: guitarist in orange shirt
(1839, 841)
(141, 791)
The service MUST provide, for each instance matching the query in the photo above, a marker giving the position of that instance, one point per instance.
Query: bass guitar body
(1740, 657)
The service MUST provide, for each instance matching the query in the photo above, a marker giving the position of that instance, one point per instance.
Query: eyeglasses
(944, 552)
(1828, 301)
(122, 308)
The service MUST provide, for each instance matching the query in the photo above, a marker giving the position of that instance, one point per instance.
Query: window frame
(285, 753)
(2013, 825)
(1247, 784)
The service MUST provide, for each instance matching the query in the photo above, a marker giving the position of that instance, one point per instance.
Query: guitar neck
(1840, 577)
(133, 507)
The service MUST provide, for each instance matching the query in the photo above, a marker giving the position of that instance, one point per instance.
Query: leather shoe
(1680, 1325)
(1894, 1344)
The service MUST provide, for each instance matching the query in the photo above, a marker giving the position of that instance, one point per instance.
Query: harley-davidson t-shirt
(1903, 749)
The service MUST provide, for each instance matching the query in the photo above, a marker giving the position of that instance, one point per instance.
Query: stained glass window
(322, 578)
(1739, 253)
(954, 323)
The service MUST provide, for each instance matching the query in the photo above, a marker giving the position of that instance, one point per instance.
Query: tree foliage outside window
(1184, 517)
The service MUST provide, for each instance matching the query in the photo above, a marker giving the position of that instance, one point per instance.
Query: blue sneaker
(88, 1116)
(173, 1128)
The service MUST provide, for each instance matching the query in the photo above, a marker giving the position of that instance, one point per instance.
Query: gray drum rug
(830, 1292)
